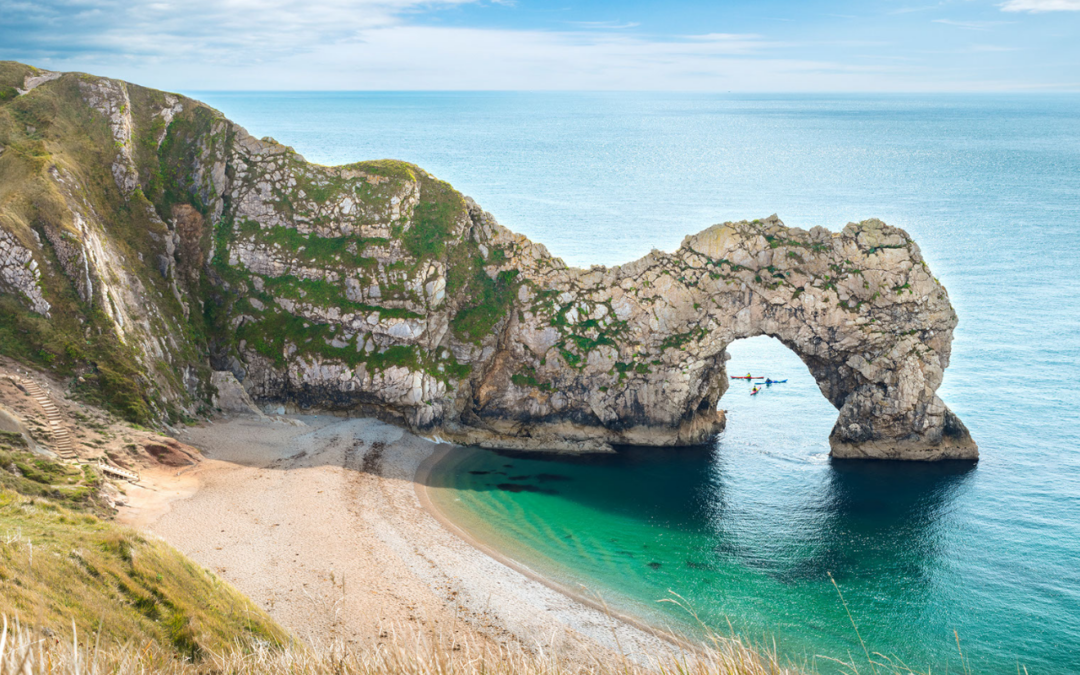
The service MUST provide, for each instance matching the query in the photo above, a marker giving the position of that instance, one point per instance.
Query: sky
(677, 45)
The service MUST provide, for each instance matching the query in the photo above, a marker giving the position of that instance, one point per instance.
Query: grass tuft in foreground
(25, 652)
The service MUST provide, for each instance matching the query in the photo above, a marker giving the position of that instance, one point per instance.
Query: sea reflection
(851, 519)
(876, 516)
(664, 486)
(792, 520)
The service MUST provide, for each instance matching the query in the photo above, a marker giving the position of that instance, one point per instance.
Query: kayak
(748, 377)
(755, 393)
(768, 382)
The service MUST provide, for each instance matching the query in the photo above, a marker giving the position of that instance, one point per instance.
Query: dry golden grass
(24, 651)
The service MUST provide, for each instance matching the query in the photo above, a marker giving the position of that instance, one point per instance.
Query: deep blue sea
(754, 530)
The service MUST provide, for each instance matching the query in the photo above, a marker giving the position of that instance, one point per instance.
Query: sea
(941, 567)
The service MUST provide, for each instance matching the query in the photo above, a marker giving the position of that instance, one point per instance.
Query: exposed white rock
(110, 98)
(19, 272)
(552, 358)
(31, 82)
(230, 395)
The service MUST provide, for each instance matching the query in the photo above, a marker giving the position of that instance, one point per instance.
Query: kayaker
(754, 390)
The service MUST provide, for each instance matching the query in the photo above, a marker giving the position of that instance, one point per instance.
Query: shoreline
(423, 471)
(329, 528)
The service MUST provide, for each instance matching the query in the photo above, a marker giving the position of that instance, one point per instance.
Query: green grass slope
(167, 241)
(61, 561)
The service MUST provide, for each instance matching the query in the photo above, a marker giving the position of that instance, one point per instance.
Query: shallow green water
(752, 531)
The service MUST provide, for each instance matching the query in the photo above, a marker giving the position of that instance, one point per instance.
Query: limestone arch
(635, 354)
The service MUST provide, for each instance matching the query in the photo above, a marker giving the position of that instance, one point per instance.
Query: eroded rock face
(536, 355)
(635, 354)
(19, 273)
(376, 288)
(230, 396)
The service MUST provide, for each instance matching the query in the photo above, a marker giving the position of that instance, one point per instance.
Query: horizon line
(1069, 89)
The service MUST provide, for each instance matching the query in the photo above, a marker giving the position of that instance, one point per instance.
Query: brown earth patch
(170, 453)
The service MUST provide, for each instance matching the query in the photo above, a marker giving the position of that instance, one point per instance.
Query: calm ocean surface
(750, 529)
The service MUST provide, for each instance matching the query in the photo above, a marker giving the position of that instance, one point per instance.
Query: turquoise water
(750, 528)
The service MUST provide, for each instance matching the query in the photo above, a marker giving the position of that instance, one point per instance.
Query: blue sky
(681, 45)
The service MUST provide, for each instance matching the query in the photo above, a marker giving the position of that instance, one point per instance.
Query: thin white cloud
(991, 48)
(599, 25)
(440, 58)
(726, 37)
(1038, 6)
(889, 57)
(460, 58)
(405, 57)
(912, 9)
(970, 25)
(232, 31)
(1067, 86)
(376, 44)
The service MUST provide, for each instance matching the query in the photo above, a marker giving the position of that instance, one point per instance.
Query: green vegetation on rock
(433, 219)
(25, 473)
(488, 301)
(55, 143)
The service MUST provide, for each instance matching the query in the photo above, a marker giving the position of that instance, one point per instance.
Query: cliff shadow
(659, 484)
(874, 515)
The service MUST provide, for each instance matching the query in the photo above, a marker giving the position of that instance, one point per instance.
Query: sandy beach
(325, 526)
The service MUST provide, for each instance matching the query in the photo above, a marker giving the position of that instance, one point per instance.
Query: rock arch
(381, 290)
(635, 354)
(376, 288)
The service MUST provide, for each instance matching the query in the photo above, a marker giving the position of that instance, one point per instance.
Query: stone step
(117, 471)
(62, 442)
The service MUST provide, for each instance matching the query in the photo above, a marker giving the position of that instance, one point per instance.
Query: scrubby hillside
(143, 237)
(58, 566)
(82, 291)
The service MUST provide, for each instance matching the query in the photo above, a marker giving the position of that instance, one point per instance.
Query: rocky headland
(162, 258)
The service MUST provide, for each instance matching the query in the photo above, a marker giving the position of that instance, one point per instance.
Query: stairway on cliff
(115, 471)
(62, 442)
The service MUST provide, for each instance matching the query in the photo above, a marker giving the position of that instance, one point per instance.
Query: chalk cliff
(146, 242)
